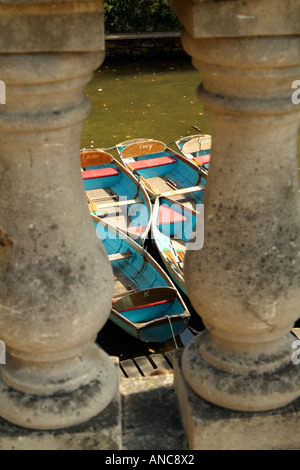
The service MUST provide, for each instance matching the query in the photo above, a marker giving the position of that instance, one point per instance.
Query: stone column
(55, 278)
(245, 281)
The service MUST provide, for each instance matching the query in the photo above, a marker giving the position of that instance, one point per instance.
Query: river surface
(153, 99)
(143, 100)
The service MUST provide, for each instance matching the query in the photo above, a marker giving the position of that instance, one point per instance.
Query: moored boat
(174, 226)
(164, 171)
(114, 193)
(146, 303)
(196, 148)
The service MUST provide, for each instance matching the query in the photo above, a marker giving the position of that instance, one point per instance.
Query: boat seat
(180, 254)
(173, 261)
(120, 256)
(99, 173)
(125, 202)
(151, 162)
(203, 159)
(169, 216)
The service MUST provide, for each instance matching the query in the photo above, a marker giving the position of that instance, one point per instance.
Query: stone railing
(245, 282)
(235, 381)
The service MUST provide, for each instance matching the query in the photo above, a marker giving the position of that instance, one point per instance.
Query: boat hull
(146, 303)
(173, 226)
(115, 194)
(152, 332)
(196, 148)
(163, 171)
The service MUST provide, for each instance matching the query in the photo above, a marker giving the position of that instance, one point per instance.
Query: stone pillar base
(102, 432)
(210, 427)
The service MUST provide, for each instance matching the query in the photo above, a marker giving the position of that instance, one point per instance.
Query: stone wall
(144, 45)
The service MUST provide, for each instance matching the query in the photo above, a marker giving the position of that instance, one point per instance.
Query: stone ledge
(237, 18)
(151, 421)
(150, 415)
(210, 427)
(146, 44)
(145, 35)
(102, 432)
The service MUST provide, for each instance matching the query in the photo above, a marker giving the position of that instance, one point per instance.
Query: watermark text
(2, 352)
(171, 221)
(296, 93)
(2, 92)
(296, 354)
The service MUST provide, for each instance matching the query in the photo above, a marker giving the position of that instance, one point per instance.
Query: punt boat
(174, 225)
(196, 148)
(164, 172)
(146, 303)
(115, 194)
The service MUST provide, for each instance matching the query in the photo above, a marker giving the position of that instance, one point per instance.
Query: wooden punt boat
(114, 193)
(164, 171)
(196, 148)
(173, 226)
(146, 304)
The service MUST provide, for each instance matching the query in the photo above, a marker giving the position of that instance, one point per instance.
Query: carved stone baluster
(244, 282)
(55, 278)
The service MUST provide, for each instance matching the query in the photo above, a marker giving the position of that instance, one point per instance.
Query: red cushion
(99, 173)
(169, 216)
(153, 304)
(151, 162)
(203, 159)
(138, 229)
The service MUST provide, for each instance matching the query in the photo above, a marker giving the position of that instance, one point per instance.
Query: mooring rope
(170, 323)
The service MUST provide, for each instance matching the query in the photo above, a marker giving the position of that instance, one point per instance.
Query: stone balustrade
(235, 382)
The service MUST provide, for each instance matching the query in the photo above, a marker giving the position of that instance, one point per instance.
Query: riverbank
(144, 45)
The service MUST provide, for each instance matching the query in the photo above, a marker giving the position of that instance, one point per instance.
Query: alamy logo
(2, 352)
(296, 94)
(177, 223)
(296, 354)
(2, 92)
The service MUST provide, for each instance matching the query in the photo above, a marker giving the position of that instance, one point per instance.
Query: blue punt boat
(114, 193)
(146, 303)
(196, 148)
(163, 171)
(175, 225)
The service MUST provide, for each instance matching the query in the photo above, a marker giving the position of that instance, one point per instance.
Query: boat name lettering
(145, 146)
(146, 293)
(87, 156)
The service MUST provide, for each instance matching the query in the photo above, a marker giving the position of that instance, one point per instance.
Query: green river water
(143, 100)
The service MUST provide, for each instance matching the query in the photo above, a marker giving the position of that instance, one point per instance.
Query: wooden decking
(146, 365)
